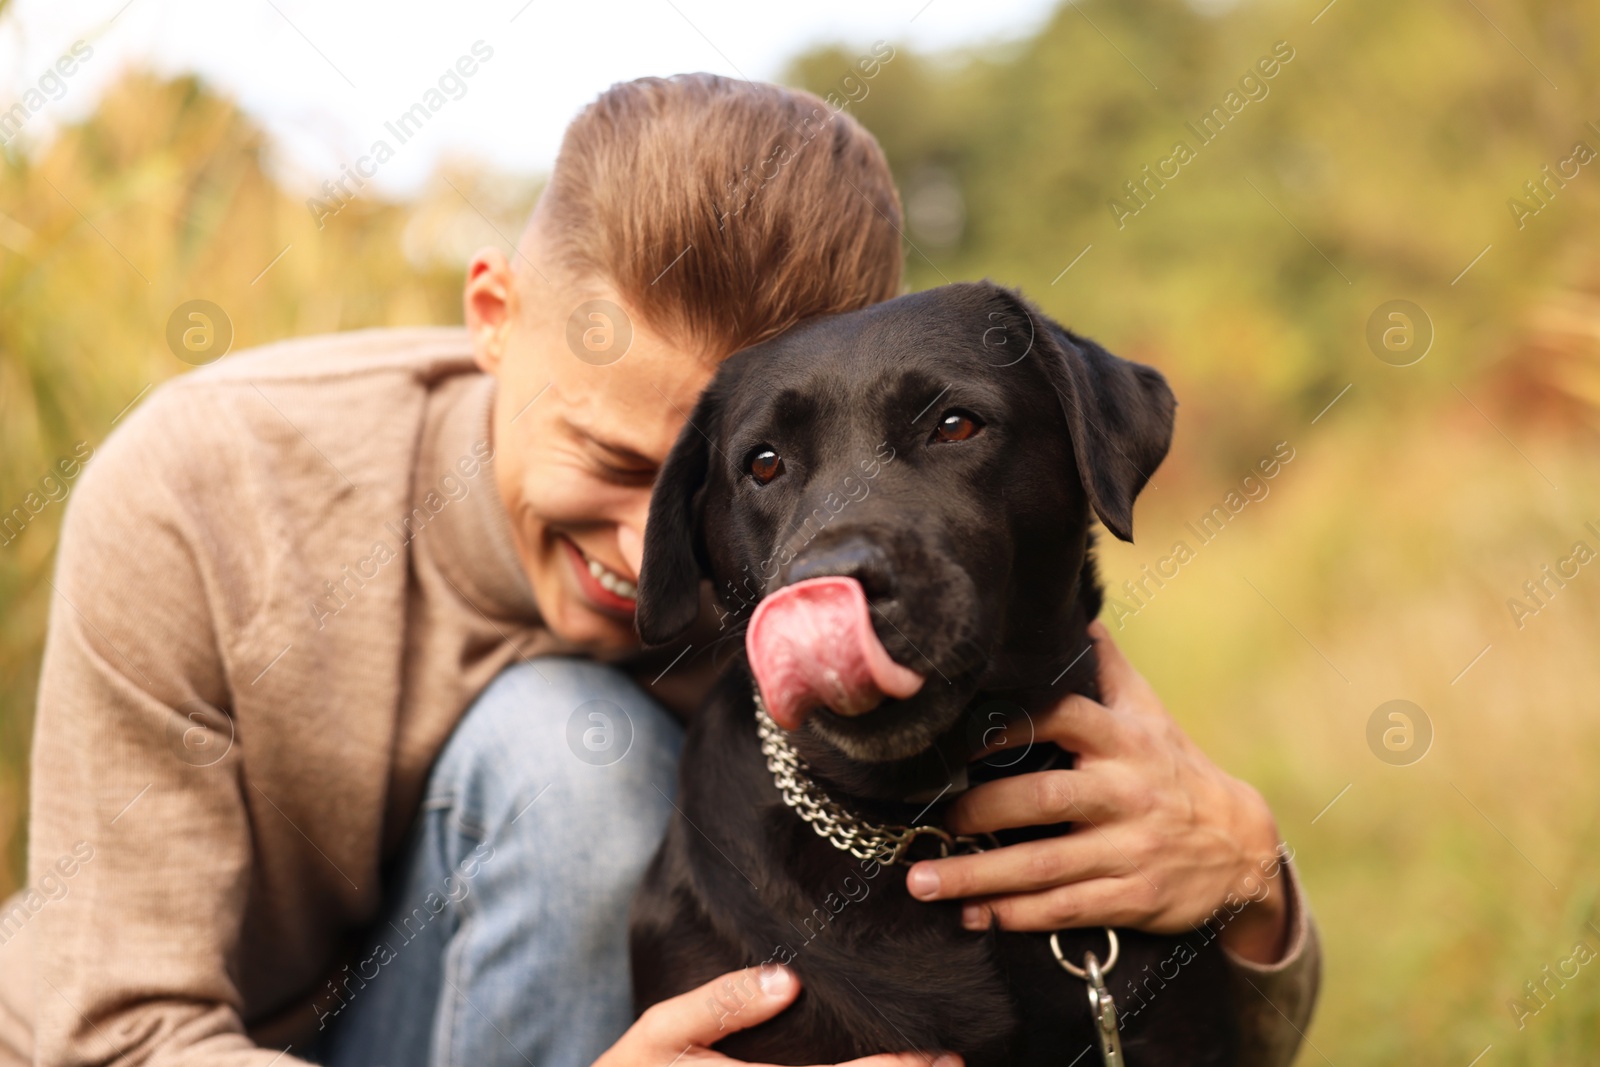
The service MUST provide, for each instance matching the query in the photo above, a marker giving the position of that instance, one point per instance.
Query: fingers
(1117, 677)
(1078, 724)
(1025, 867)
(736, 1001)
(1038, 799)
(1121, 901)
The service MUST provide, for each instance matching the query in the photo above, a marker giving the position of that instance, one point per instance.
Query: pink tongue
(812, 643)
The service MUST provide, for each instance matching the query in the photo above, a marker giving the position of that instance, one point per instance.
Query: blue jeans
(506, 941)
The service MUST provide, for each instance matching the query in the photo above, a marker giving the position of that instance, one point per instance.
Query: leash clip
(949, 843)
(1101, 1007)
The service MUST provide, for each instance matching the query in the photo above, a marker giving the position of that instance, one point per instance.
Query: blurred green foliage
(1378, 165)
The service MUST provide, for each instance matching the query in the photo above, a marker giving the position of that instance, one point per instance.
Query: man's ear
(674, 545)
(489, 303)
(1119, 414)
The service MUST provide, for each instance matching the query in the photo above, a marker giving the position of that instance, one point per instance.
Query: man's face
(577, 441)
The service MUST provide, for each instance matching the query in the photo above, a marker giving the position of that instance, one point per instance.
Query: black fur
(976, 559)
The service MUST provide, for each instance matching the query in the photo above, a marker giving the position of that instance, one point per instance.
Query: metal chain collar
(842, 828)
(848, 832)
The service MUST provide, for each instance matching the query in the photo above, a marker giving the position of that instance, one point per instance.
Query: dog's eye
(956, 426)
(765, 465)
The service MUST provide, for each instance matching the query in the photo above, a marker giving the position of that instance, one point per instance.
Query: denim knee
(508, 931)
(559, 782)
(573, 750)
(568, 731)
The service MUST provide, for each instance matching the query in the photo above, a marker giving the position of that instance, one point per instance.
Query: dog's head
(944, 450)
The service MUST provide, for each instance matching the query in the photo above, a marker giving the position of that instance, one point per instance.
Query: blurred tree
(1373, 167)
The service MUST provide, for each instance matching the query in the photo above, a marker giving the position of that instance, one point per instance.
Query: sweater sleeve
(1275, 1000)
(137, 784)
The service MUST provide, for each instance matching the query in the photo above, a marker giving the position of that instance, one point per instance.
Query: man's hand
(681, 1030)
(1164, 837)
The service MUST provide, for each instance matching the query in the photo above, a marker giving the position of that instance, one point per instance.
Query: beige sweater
(308, 537)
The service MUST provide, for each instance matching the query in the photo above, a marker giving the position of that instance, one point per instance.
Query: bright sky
(324, 76)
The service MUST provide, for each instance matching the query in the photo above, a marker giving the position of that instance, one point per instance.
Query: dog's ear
(1119, 413)
(674, 547)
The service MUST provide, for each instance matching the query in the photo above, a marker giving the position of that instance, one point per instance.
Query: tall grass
(1378, 568)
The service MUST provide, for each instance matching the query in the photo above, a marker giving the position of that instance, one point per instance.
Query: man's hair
(724, 211)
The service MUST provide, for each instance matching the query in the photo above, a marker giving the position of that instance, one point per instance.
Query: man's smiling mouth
(612, 581)
(599, 583)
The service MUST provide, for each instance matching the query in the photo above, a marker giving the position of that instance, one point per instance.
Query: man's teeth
(613, 583)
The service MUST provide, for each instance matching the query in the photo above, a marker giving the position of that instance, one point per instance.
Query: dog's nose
(853, 557)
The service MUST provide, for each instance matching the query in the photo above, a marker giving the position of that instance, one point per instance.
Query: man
(343, 732)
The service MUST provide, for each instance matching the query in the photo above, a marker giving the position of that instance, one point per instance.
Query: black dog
(944, 450)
